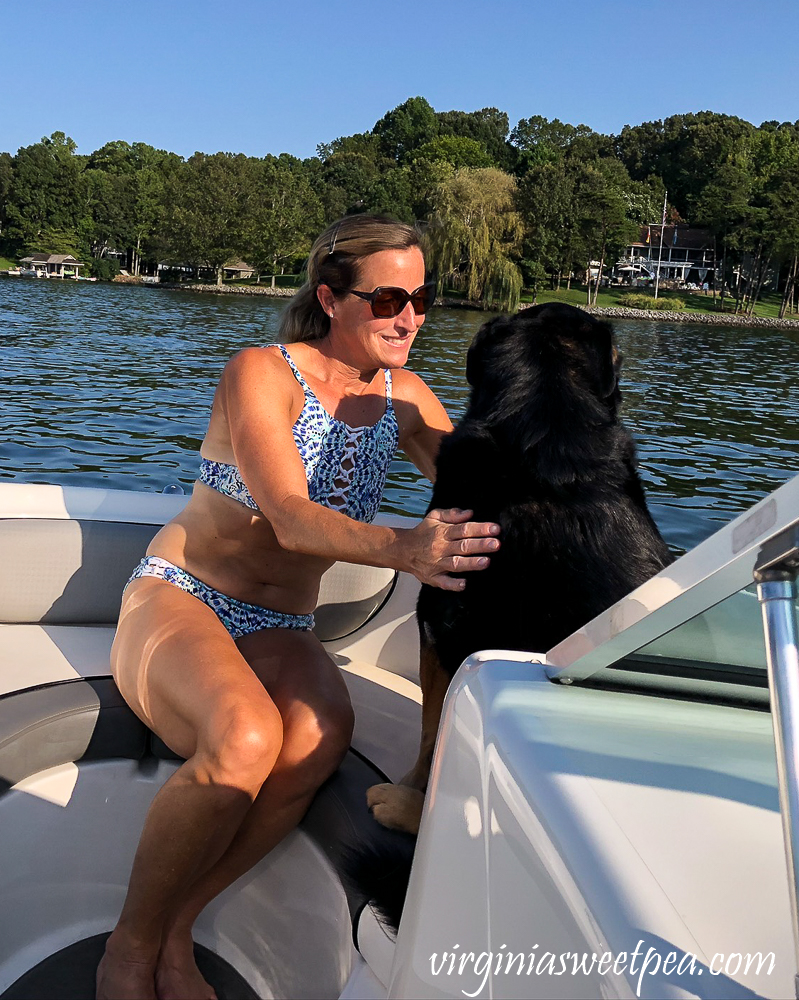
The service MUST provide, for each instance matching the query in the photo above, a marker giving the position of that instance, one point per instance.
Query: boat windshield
(723, 645)
(695, 627)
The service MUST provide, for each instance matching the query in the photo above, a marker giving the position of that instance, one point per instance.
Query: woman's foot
(177, 976)
(121, 975)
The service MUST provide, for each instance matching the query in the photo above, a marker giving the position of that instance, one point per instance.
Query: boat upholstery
(82, 721)
(73, 572)
(61, 588)
(61, 723)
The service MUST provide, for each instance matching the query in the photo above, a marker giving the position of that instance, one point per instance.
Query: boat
(613, 799)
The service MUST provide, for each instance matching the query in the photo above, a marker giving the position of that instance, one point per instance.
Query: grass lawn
(5, 263)
(767, 306)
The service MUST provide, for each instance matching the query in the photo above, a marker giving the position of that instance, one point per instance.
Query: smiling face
(355, 334)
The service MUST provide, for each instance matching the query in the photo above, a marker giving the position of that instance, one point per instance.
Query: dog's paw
(396, 806)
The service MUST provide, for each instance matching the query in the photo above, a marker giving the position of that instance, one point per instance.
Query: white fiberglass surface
(67, 839)
(565, 822)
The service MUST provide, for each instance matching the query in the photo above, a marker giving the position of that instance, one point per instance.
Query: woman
(214, 650)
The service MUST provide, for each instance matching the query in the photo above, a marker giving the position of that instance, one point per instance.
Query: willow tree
(475, 235)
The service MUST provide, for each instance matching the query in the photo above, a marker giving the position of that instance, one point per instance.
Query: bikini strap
(309, 391)
(297, 373)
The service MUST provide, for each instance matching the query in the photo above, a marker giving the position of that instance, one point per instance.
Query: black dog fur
(541, 450)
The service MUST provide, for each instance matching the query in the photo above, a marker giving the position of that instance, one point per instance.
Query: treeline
(503, 208)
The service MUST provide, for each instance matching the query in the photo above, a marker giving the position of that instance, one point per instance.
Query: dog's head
(544, 340)
(543, 375)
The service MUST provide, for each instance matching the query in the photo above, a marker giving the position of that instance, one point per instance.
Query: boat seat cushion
(60, 723)
(72, 572)
(87, 720)
(63, 572)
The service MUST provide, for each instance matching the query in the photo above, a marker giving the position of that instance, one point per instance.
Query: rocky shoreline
(612, 312)
(717, 319)
(276, 292)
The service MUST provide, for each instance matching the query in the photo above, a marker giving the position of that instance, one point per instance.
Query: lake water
(111, 385)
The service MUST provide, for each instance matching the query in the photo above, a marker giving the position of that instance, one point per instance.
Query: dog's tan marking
(399, 807)
(396, 806)
(434, 683)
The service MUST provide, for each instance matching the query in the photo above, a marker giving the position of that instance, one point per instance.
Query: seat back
(73, 571)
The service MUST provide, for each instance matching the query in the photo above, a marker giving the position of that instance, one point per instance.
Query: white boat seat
(87, 720)
(61, 723)
(73, 572)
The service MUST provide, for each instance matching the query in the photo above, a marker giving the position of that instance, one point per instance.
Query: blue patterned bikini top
(346, 467)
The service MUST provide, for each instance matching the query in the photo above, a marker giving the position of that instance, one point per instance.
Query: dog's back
(541, 451)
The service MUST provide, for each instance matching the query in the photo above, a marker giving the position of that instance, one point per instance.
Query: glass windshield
(724, 644)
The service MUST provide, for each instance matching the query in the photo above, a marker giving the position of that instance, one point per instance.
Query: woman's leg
(311, 696)
(183, 675)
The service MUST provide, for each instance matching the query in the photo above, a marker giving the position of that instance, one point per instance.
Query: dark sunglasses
(387, 302)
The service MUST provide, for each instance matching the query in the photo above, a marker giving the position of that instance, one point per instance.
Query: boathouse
(687, 257)
(54, 265)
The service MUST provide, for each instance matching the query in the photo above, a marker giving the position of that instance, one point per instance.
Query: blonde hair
(335, 260)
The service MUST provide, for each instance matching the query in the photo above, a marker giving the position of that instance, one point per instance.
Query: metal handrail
(775, 574)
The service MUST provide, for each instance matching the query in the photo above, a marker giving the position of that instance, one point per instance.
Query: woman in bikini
(214, 649)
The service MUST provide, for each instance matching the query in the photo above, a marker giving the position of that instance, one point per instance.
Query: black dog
(541, 450)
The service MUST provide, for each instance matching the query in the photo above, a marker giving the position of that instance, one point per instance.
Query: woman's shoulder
(256, 359)
(409, 386)
(261, 365)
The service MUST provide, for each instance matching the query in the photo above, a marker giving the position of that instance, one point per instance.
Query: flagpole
(660, 251)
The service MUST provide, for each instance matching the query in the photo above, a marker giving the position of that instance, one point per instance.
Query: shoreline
(611, 312)
(717, 319)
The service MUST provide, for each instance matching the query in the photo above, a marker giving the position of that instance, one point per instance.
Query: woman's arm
(423, 421)
(257, 394)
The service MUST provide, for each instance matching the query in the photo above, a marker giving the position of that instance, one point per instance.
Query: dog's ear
(480, 347)
(605, 359)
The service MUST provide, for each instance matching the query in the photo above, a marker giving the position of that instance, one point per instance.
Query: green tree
(407, 127)
(285, 214)
(684, 151)
(603, 215)
(6, 178)
(346, 179)
(546, 202)
(533, 133)
(488, 127)
(47, 193)
(362, 143)
(458, 150)
(475, 235)
(127, 195)
(210, 200)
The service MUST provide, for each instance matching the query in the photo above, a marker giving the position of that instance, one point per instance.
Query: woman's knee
(241, 745)
(318, 740)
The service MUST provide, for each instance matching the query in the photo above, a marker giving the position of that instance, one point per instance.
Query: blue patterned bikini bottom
(237, 617)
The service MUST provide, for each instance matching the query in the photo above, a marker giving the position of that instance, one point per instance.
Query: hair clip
(332, 245)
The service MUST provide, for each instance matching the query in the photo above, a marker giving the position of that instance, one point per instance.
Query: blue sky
(264, 77)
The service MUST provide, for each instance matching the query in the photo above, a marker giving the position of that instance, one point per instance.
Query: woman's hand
(446, 542)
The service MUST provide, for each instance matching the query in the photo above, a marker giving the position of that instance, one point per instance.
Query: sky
(262, 77)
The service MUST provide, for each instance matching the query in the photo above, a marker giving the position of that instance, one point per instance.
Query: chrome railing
(775, 574)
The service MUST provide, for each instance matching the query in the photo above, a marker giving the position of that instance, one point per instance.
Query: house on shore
(179, 271)
(53, 265)
(238, 269)
(687, 257)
